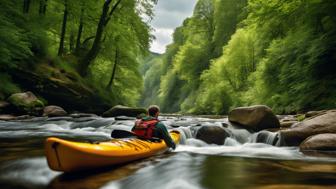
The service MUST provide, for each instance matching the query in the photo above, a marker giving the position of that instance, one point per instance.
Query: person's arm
(163, 133)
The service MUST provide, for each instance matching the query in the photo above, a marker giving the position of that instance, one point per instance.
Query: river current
(241, 162)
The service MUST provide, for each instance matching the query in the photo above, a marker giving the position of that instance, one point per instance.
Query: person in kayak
(149, 126)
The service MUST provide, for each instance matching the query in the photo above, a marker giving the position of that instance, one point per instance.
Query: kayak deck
(68, 156)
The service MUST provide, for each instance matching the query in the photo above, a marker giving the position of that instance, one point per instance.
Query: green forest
(83, 55)
(93, 54)
(230, 53)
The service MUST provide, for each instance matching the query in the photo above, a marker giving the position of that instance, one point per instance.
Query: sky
(169, 14)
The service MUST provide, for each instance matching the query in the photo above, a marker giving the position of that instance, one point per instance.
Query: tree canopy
(235, 53)
(97, 44)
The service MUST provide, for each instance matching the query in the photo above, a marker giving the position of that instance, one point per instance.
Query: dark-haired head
(153, 110)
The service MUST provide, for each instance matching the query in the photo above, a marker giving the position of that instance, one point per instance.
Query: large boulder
(212, 134)
(255, 118)
(124, 111)
(54, 111)
(325, 123)
(320, 142)
(26, 102)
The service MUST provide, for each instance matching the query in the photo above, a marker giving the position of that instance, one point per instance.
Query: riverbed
(240, 163)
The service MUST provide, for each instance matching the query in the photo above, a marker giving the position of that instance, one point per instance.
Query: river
(239, 163)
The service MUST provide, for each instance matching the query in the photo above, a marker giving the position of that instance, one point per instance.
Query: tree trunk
(26, 5)
(116, 60)
(65, 17)
(72, 41)
(93, 52)
(80, 30)
(43, 7)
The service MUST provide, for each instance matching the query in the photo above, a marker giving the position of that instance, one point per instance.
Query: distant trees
(234, 53)
(195, 45)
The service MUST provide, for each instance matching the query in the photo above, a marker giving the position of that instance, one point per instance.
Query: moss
(7, 86)
(26, 103)
(43, 100)
(301, 117)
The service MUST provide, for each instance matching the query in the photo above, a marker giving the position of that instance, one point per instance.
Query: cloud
(169, 14)
(163, 37)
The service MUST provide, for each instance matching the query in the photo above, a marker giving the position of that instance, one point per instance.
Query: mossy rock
(300, 117)
(26, 102)
(124, 111)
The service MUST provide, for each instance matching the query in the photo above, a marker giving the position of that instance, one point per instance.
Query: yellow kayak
(67, 156)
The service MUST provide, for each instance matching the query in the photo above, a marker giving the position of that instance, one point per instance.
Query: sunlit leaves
(283, 56)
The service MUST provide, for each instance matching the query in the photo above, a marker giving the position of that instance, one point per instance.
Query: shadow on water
(227, 172)
(91, 178)
(34, 173)
(96, 178)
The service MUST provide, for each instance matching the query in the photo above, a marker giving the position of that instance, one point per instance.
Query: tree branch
(111, 12)
(87, 39)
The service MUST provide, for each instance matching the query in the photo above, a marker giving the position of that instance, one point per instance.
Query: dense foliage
(98, 43)
(233, 53)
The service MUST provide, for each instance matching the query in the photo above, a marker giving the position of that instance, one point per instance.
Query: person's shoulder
(146, 118)
(160, 124)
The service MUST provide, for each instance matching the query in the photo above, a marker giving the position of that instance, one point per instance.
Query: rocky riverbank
(313, 131)
(20, 106)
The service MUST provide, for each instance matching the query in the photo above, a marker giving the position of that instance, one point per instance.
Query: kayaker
(149, 126)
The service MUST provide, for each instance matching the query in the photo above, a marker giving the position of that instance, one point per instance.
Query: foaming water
(241, 142)
(231, 142)
(97, 127)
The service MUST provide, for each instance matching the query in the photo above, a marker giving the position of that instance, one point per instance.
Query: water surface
(239, 163)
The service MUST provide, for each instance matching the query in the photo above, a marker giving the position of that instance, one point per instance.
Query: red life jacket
(144, 128)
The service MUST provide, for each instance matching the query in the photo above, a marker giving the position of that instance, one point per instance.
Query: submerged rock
(124, 111)
(257, 117)
(321, 142)
(79, 115)
(124, 118)
(26, 102)
(212, 134)
(325, 123)
(54, 111)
